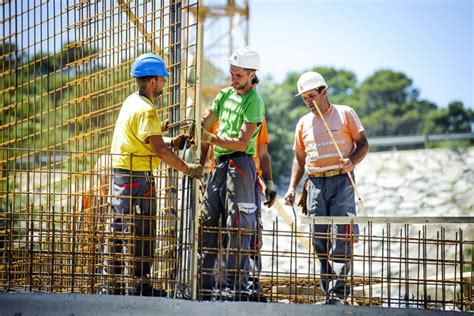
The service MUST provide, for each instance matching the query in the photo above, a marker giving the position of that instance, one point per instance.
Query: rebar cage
(64, 74)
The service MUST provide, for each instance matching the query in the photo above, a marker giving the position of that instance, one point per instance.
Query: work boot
(335, 301)
(206, 295)
(257, 297)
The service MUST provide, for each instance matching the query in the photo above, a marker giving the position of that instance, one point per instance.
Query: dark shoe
(159, 293)
(335, 301)
(206, 295)
(147, 290)
(112, 288)
(241, 297)
(257, 297)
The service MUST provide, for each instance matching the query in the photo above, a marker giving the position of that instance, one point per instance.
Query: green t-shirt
(233, 111)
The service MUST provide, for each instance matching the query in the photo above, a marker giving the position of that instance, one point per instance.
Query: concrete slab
(80, 304)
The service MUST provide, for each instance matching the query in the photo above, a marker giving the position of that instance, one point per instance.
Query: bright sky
(431, 41)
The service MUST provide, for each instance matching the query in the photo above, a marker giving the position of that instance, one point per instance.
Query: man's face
(157, 85)
(240, 78)
(313, 95)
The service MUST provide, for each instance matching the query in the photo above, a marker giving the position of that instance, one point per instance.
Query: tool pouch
(302, 201)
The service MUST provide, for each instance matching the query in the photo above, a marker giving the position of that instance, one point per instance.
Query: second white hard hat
(308, 81)
(245, 58)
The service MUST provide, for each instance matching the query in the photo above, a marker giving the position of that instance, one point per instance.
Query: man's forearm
(266, 166)
(297, 173)
(360, 152)
(170, 158)
(235, 144)
(204, 153)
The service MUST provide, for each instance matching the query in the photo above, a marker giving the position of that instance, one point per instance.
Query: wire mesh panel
(390, 265)
(64, 74)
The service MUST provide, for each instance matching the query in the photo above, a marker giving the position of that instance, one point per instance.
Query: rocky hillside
(420, 182)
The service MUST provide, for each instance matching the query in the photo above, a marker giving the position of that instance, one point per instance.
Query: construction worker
(328, 186)
(230, 191)
(264, 174)
(137, 148)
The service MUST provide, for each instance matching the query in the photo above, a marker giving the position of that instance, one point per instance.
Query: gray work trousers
(333, 196)
(130, 248)
(230, 194)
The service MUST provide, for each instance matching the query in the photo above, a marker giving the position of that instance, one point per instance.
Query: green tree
(453, 119)
(390, 105)
(280, 121)
(385, 87)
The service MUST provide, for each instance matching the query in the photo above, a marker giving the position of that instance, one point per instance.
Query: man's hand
(346, 164)
(194, 170)
(206, 136)
(165, 126)
(177, 142)
(270, 194)
(290, 197)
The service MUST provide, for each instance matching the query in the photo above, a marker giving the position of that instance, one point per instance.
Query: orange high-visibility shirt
(312, 138)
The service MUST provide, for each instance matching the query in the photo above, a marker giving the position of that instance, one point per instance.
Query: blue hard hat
(149, 65)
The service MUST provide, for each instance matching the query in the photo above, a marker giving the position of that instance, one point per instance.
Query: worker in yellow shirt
(137, 148)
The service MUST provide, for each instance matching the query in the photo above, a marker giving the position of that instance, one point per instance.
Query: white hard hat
(245, 58)
(308, 81)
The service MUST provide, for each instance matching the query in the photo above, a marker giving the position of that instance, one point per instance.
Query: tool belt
(327, 174)
(233, 155)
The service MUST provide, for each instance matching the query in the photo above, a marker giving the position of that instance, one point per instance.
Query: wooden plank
(377, 282)
(290, 222)
(387, 219)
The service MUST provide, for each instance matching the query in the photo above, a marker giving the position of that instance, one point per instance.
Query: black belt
(233, 155)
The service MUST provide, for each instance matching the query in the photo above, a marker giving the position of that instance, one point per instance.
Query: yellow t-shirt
(137, 121)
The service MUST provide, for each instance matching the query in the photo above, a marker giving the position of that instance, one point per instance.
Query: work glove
(290, 197)
(302, 201)
(165, 126)
(270, 194)
(194, 170)
(206, 136)
(178, 142)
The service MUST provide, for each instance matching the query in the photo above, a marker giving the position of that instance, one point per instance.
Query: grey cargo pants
(230, 194)
(130, 250)
(333, 196)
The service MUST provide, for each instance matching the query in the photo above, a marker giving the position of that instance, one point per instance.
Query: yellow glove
(194, 170)
(206, 136)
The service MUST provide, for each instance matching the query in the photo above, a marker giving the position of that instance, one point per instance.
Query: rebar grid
(64, 73)
(393, 265)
